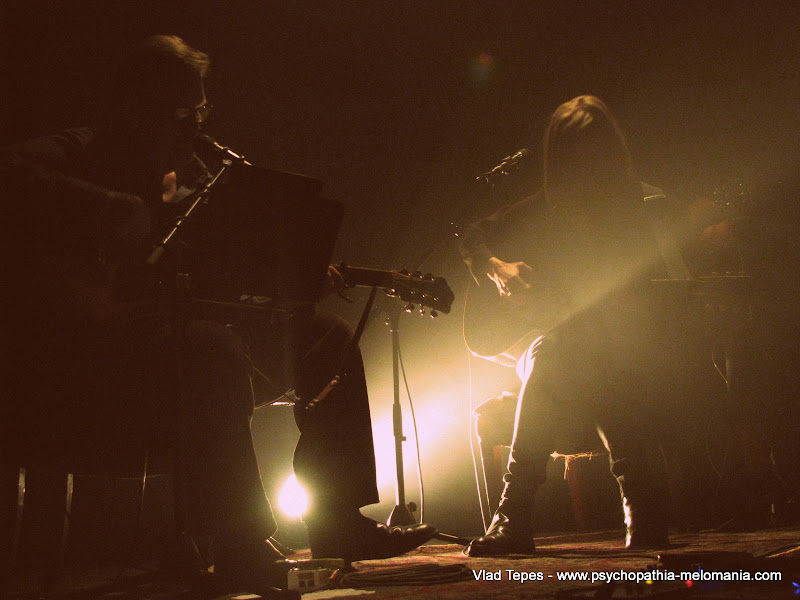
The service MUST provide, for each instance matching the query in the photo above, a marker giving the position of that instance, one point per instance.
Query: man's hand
(508, 276)
(334, 282)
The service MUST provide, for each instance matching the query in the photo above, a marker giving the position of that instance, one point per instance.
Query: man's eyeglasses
(200, 114)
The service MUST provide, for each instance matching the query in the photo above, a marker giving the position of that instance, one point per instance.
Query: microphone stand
(179, 310)
(402, 513)
(161, 247)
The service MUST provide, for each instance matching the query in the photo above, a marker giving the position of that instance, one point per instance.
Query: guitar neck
(357, 276)
(425, 290)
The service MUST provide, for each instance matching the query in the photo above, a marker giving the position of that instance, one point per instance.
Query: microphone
(202, 140)
(508, 165)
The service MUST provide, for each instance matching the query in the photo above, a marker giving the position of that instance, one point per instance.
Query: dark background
(397, 105)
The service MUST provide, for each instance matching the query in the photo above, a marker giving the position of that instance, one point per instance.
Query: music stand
(253, 239)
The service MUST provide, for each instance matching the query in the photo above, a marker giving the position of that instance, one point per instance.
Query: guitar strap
(340, 372)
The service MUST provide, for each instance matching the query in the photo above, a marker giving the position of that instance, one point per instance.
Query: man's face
(163, 128)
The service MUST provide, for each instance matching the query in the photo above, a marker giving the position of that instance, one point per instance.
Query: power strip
(312, 575)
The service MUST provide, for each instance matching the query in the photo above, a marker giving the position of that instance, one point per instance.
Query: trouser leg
(543, 416)
(214, 448)
(335, 457)
(536, 422)
(637, 464)
(197, 388)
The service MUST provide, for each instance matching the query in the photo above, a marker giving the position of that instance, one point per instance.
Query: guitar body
(86, 281)
(93, 290)
(500, 328)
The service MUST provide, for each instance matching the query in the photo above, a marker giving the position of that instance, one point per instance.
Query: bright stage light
(293, 499)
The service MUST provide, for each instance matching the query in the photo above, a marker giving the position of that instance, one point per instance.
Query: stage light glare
(483, 67)
(293, 499)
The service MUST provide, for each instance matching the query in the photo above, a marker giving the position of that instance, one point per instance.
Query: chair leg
(192, 558)
(12, 503)
(18, 514)
(573, 476)
(53, 573)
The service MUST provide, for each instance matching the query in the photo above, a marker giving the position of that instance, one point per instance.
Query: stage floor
(563, 567)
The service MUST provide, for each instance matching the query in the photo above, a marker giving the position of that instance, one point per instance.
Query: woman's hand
(508, 276)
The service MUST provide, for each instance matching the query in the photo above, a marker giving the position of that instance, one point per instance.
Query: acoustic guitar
(425, 290)
(500, 328)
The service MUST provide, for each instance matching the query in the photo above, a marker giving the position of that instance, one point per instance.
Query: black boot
(511, 530)
(645, 526)
(645, 507)
(349, 535)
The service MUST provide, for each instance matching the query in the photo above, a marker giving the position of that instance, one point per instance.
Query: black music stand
(257, 240)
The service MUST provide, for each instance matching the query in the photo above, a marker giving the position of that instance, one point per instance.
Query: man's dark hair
(156, 63)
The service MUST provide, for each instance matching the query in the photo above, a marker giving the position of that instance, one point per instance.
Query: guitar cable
(478, 478)
(416, 438)
(439, 535)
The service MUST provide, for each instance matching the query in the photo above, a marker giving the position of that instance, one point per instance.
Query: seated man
(108, 377)
(578, 259)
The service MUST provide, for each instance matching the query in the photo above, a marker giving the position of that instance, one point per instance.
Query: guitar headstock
(414, 288)
(425, 290)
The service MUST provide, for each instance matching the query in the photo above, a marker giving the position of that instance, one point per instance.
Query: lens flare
(293, 499)
(483, 67)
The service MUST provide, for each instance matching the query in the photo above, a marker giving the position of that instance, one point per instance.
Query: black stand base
(402, 515)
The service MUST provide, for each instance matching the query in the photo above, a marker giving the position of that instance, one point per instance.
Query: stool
(57, 486)
(62, 468)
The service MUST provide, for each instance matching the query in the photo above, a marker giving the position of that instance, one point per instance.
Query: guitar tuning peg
(409, 307)
(422, 311)
(434, 314)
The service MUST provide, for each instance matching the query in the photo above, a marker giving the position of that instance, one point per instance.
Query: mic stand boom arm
(160, 248)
